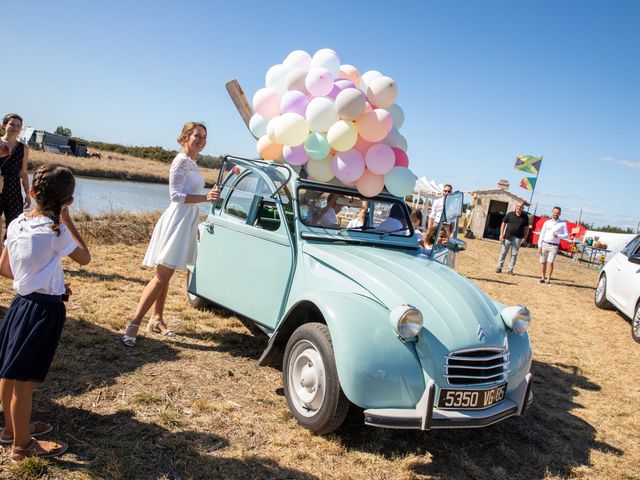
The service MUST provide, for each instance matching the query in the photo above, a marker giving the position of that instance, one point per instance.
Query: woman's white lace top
(184, 178)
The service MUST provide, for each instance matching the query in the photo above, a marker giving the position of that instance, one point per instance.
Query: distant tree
(60, 130)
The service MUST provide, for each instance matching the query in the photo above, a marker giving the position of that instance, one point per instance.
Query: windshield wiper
(385, 234)
(362, 228)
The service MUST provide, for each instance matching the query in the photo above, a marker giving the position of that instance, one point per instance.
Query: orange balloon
(350, 73)
(374, 126)
(267, 149)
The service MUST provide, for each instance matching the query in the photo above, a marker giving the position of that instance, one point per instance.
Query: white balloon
(350, 103)
(321, 114)
(295, 80)
(291, 130)
(258, 125)
(397, 114)
(382, 91)
(298, 59)
(276, 78)
(320, 170)
(271, 129)
(326, 58)
(366, 78)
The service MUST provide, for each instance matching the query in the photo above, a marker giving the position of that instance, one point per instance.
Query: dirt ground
(196, 406)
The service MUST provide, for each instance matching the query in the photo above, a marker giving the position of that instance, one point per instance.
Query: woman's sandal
(38, 448)
(36, 429)
(154, 327)
(130, 340)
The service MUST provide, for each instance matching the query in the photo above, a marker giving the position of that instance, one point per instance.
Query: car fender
(375, 368)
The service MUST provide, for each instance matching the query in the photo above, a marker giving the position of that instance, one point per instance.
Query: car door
(245, 255)
(626, 278)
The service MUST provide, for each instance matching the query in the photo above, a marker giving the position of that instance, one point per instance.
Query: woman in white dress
(172, 243)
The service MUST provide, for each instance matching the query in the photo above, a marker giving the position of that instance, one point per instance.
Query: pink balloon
(294, 102)
(380, 159)
(362, 145)
(369, 184)
(319, 81)
(266, 102)
(295, 155)
(348, 166)
(374, 126)
(401, 157)
(351, 73)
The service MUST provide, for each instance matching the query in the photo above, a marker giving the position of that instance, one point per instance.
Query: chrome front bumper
(426, 417)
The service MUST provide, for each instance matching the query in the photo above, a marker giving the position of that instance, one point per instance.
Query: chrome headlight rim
(407, 321)
(516, 318)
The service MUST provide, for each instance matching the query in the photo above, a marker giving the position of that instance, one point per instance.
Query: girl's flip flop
(36, 429)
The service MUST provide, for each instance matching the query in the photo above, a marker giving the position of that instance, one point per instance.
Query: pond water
(96, 196)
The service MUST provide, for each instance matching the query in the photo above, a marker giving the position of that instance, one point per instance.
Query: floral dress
(173, 242)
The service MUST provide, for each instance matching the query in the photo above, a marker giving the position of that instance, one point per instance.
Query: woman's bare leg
(150, 294)
(157, 312)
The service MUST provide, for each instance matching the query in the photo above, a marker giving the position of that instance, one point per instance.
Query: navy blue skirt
(29, 336)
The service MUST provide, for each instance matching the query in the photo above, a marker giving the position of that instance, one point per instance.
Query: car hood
(454, 309)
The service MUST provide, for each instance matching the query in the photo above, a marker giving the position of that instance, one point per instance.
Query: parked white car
(619, 284)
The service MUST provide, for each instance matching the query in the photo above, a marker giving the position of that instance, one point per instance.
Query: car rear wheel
(310, 379)
(635, 324)
(194, 300)
(600, 297)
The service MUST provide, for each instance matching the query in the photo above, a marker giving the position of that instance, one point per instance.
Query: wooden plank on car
(240, 101)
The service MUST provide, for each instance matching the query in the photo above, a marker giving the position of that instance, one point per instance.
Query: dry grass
(196, 406)
(115, 165)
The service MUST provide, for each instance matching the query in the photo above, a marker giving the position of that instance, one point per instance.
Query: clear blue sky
(480, 81)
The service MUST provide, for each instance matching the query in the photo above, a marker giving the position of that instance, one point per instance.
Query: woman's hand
(27, 201)
(213, 194)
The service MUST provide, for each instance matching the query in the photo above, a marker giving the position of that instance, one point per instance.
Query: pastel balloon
(342, 135)
(276, 78)
(326, 58)
(266, 102)
(294, 102)
(321, 114)
(367, 77)
(267, 149)
(397, 114)
(350, 73)
(298, 59)
(375, 125)
(344, 83)
(291, 129)
(362, 145)
(380, 159)
(316, 146)
(401, 159)
(400, 181)
(319, 81)
(258, 125)
(350, 104)
(295, 80)
(271, 129)
(382, 91)
(295, 155)
(370, 184)
(348, 166)
(320, 170)
(393, 138)
(333, 94)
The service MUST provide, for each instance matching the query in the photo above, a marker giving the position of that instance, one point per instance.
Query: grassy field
(196, 406)
(116, 166)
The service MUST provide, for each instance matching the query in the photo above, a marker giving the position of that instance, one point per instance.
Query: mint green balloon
(317, 146)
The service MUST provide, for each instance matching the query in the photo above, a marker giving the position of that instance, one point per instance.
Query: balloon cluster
(315, 111)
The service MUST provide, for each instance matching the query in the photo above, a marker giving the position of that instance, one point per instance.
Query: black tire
(195, 301)
(319, 406)
(635, 324)
(600, 295)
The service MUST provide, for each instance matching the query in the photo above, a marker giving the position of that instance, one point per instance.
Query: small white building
(489, 208)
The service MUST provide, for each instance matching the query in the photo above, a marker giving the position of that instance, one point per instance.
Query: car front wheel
(635, 324)
(194, 300)
(600, 297)
(310, 379)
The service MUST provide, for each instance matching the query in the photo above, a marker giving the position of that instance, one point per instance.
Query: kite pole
(537, 175)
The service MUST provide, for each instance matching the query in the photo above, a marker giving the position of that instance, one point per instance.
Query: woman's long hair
(53, 186)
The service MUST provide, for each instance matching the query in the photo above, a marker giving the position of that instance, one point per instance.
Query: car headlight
(406, 321)
(517, 318)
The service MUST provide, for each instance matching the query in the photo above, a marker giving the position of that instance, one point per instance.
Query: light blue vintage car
(354, 310)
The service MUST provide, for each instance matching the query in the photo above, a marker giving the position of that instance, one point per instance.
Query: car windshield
(346, 211)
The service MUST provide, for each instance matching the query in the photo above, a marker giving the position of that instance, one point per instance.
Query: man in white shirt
(436, 211)
(552, 232)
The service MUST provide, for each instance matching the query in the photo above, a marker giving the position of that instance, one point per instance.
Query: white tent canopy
(428, 187)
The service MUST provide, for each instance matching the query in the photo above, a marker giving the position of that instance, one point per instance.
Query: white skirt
(173, 242)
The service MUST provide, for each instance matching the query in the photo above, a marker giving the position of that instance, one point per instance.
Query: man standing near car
(513, 233)
(552, 232)
(437, 210)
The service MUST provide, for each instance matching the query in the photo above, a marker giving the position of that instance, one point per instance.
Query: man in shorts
(552, 232)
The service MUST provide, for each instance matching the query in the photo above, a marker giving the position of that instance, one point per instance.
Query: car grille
(474, 367)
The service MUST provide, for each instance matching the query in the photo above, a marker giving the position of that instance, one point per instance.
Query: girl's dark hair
(53, 186)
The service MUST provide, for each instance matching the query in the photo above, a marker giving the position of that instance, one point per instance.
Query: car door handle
(208, 226)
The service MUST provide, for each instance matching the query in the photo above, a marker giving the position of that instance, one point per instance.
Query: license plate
(453, 398)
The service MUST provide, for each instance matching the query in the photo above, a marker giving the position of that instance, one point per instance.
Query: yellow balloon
(342, 135)
(320, 170)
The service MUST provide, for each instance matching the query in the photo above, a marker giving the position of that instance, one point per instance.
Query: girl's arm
(24, 177)
(81, 254)
(5, 267)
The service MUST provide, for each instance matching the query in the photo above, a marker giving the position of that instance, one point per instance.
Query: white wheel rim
(636, 323)
(307, 378)
(600, 288)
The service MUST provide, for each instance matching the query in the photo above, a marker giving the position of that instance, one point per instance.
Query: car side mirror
(635, 258)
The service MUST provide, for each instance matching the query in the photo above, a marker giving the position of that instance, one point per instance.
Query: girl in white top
(31, 329)
(172, 244)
